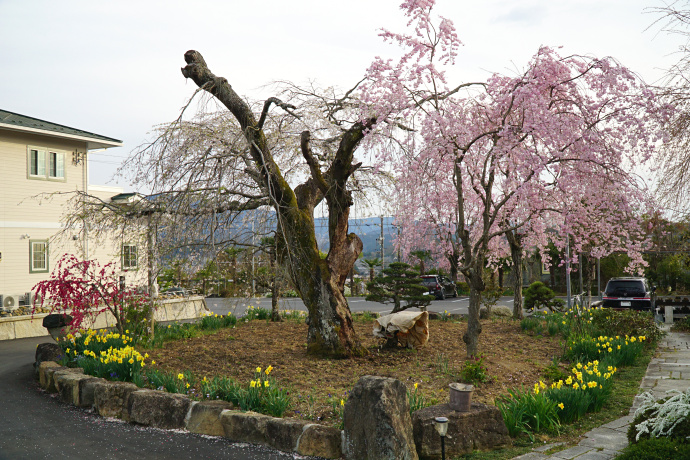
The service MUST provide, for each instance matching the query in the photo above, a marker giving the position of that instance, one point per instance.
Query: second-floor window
(46, 164)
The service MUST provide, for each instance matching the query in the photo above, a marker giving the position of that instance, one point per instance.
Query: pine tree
(398, 282)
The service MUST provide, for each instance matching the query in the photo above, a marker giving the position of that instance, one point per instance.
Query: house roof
(17, 122)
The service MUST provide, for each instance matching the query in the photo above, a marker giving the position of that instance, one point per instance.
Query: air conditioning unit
(28, 299)
(10, 302)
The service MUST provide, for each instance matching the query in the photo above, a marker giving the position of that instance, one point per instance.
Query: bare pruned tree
(282, 158)
(674, 158)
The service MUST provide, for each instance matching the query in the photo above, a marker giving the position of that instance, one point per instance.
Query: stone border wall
(160, 409)
(19, 327)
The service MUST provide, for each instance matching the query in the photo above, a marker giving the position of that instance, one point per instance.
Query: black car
(629, 293)
(439, 286)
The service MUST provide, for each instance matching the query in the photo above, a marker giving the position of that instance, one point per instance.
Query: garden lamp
(441, 425)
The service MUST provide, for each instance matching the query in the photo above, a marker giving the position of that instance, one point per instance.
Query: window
(46, 164)
(38, 256)
(129, 256)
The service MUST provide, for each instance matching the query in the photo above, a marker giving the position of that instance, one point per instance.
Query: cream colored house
(42, 163)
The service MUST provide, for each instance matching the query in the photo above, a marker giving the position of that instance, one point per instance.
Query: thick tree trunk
(319, 282)
(474, 327)
(515, 243)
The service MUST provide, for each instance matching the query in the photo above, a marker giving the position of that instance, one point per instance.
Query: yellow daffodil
(561, 406)
(180, 376)
(258, 370)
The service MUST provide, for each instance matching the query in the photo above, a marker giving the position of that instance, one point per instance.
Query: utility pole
(383, 265)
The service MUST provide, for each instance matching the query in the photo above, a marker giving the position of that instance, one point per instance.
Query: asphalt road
(457, 305)
(35, 425)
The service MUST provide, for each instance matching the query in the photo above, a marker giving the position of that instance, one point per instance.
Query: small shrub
(656, 449)
(626, 322)
(538, 295)
(474, 371)
(553, 372)
(682, 325)
(462, 288)
(444, 316)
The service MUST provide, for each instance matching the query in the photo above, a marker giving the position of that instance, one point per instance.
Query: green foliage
(527, 412)
(626, 322)
(442, 365)
(553, 372)
(538, 295)
(656, 449)
(136, 313)
(399, 282)
(683, 325)
(291, 293)
(462, 287)
(474, 371)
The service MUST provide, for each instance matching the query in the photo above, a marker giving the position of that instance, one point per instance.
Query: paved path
(669, 369)
(34, 425)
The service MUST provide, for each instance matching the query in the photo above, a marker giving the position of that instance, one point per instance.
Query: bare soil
(512, 358)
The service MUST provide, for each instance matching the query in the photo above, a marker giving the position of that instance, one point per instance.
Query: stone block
(284, 434)
(46, 352)
(244, 426)
(320, 441)
(204, 418)
(29, 327)
(67, 384)
(377, 421)
(158, 409)
(87, 391)
(6, 329)
(481, 428)
(57, 373)
(110, 398)
(43, 377)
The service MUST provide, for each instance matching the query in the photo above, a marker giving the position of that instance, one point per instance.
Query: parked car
(439, 286)
(630, 293)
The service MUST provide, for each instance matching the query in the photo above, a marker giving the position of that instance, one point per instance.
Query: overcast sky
(113, 68)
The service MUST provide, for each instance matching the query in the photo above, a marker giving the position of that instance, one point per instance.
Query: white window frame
(50, 164)
(46, 257)
(127, 257)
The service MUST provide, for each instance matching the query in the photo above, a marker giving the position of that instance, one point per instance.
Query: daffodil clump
(256, 313)
(585, 390)
(415, 399)
(530, 411)
(214, 321)
(618, 350)
(261, 394)
(104, 354)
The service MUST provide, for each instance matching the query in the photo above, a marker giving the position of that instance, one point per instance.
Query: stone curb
(174, 411)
